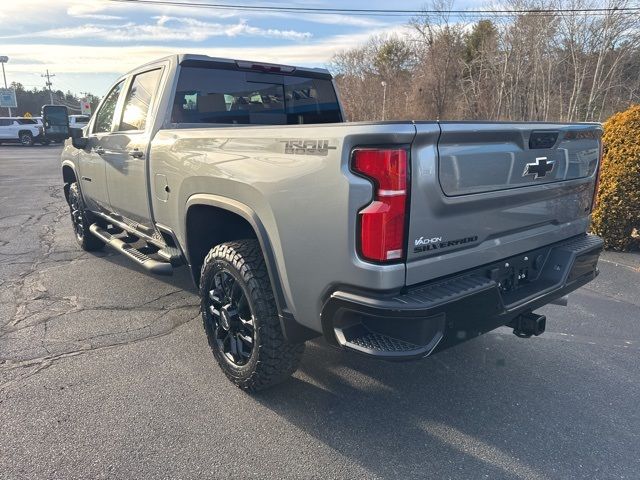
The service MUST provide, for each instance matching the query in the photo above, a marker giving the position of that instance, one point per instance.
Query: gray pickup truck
(391, 239)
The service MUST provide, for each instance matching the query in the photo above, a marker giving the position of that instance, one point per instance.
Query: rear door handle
(135, 153)
(99, 150)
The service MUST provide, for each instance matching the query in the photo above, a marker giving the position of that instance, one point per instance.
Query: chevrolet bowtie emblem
(540, 168)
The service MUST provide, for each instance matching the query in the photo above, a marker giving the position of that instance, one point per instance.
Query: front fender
(66, 179)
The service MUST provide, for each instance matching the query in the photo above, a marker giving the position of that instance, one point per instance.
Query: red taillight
(382, 222)
(594, 201)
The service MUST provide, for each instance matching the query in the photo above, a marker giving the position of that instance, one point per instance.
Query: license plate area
(519, 271)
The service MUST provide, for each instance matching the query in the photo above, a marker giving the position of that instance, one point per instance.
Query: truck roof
(184, 57)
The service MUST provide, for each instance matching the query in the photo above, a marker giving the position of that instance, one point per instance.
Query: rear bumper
(420, 320)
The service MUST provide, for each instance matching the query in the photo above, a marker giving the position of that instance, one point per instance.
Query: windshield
(208, 95)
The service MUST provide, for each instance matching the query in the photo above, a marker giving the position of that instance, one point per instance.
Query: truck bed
(468, 194)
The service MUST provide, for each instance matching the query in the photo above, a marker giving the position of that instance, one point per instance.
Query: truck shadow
(495, 407)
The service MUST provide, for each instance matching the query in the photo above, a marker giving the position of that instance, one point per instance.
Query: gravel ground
(105, 372)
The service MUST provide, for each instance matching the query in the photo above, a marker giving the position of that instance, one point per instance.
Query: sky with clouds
(87, 44)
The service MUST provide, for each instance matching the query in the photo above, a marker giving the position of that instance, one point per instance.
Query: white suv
(26, 131)
(78, 121)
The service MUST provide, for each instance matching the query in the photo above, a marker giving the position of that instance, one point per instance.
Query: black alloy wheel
(233, 324)
(77, 218)
(87, 240)
(240, 317)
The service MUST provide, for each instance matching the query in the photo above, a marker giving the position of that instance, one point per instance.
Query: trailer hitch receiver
(528, 324)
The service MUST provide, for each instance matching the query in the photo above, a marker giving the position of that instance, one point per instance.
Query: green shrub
(617, 215)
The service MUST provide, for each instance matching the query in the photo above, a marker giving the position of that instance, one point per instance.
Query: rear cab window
(138, 101)
(227, 96)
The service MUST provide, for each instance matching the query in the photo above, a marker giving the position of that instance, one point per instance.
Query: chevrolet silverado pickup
(392, 239)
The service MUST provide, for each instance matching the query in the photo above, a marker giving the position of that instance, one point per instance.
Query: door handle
(135, 153)
(99, 150)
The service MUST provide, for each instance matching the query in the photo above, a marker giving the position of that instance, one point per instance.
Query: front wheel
(84, 237)
(26, 139)
(241, 318)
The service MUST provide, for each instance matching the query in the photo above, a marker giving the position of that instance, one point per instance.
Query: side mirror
(55, 120)
(78, 139)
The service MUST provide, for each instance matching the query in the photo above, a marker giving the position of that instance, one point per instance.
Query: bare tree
(553, 63)
(438, 73)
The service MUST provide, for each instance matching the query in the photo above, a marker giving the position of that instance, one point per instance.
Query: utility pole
(48, 84)
(4, 60)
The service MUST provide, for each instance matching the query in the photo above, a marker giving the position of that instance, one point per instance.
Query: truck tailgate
(481, 192)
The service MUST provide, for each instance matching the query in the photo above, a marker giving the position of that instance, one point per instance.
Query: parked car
(26, 131)
(78, 121)
(392, 239)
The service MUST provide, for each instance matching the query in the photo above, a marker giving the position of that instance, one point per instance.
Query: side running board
(146, 262)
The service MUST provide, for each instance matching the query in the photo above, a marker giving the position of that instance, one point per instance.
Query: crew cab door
(92, 159)
(126, 165)
(14, 130)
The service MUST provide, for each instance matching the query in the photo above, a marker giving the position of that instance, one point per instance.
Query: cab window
(104, 116)
(210, 95)
(136, 106)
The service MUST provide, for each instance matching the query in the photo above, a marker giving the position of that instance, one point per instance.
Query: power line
(60, 101)
(386, 12)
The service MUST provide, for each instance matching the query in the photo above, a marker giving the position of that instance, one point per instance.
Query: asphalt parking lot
(105, 372)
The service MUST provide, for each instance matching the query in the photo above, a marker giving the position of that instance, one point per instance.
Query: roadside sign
(28, 115)
(8, 98)
(85, 107)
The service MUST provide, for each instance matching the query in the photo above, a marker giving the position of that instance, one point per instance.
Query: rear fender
(292, 330)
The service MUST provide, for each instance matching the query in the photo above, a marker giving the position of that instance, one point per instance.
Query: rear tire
(80, 222)
(241, 318)
(26, 139)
